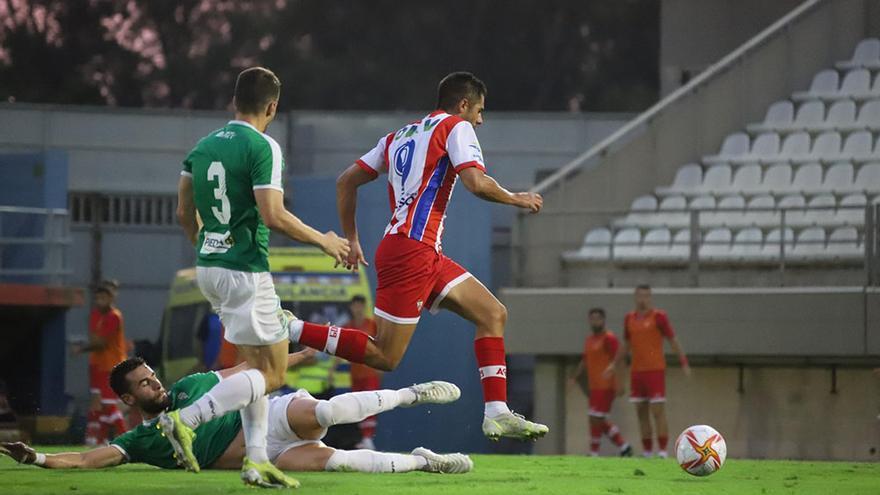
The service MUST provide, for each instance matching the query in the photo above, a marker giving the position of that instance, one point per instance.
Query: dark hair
(458, 85)
(597, 310)
(358, 299)
(643, 287)
(118, 382)
(254, 89)
(107, 287)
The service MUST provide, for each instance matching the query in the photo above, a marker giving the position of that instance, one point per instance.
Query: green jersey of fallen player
(226, 167)
(145, 443)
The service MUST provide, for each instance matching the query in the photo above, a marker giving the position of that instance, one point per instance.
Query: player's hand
(355, 257)
(336, 247)
(609, 371)
(529, 201)
(686, 369)
(18, 451)
(308, 353)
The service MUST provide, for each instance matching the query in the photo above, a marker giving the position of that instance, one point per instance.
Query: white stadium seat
(807, 178)
(810, 244)
(824, 83)
(764, 149)
(868, 178)
(811, 114)
(729, 212)
(671, 212)
(717, 178)
(754, 214)
(795, 148)
(655, 245)
(777, 179)
(855, 83)
(843, 243)
(779, 116)
(839, 178)
(734, 145)
(793, 205)
(597, 245)
(688, 178)
(841, 115)
(681, 245)
(866, 55)
(626, 244)
(851, 210)
(747, 244)
(640, 211)
(773, 241)
(857, 147)
(716, 244)
(826, 146)
(820, 210)
(869, 116)
(747, 179)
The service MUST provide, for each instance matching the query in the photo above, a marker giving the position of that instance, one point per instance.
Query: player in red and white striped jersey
(422, 162)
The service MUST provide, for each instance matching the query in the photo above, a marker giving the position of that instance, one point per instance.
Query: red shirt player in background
(644, 330)
(600, 349)
(421, 163)
(106, 347)
(364, 378)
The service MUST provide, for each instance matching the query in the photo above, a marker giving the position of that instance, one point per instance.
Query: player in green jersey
(231, 183)
(297, 424)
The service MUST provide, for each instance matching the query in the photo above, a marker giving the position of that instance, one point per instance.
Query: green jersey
(226, 167)
(145, 442)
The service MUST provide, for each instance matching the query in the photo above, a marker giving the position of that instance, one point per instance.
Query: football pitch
(493, 474)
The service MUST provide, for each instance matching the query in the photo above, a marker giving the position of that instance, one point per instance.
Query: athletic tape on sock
(493, 372)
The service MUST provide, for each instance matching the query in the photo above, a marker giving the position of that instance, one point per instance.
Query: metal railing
(34, 245)
(689, 248)
(157, 210)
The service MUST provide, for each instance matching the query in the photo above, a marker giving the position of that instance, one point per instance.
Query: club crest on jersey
(419, 305)
(182, 396)
(403, 159)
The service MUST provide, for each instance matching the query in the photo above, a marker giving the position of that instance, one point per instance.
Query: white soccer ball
(700, 450)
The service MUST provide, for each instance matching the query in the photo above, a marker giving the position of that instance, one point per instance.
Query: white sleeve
(373, 161)
(464, 148)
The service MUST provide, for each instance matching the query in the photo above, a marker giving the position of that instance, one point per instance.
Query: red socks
(343, 342)
(613, 433)
(647, 445)
(112, 416)
(493, 368)
(662, 442)
(94, 430)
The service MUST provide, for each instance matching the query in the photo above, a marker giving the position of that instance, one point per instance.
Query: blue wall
(442, 348)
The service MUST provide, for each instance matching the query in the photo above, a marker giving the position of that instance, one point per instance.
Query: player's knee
(496, 318)
(274, 380)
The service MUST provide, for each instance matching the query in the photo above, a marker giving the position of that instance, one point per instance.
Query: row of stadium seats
(811, 116)
(750, 180)
(805, 175)
(829, 86)
(662, 245)
(798, 147)
(762, 211)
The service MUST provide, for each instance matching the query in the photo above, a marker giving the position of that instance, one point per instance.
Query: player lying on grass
(297, 422)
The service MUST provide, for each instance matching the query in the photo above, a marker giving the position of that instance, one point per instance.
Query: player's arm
(101, 457)
(270, 203)
(293, 360)
(666, 328)
(186, 209)
(485, 187)
(617, 363)
(577, 372)
(347, 185)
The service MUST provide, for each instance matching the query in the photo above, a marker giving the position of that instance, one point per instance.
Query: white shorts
(280, 438)
(246, 302)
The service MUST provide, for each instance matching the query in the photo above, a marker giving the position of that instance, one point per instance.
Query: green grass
(503, 475)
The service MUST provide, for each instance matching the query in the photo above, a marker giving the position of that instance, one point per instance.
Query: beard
(157, 406)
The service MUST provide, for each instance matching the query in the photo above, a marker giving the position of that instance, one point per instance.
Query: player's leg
(464, 295)
(319, 457)
(111, 417)
(94, 429)
(597, 425)
(658, 413)
(644, 415)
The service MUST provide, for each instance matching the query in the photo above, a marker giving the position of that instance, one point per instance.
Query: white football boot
(512, 425)
(435, 392)
(444, 463)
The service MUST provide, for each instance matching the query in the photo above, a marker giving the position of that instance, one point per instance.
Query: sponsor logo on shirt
(215, 243)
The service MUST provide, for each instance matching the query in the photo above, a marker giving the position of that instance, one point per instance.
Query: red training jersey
(599, 351)
(422, 161)
(110, 327)
(645, 336)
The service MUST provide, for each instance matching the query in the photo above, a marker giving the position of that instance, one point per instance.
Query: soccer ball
(700, 450)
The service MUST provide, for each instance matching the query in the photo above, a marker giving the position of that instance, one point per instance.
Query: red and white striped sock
(493, 374)
(346, 343)
(94, 429)
(613, 433)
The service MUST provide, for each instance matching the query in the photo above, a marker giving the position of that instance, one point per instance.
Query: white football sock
(369, 461)
(496, 408)
(231, 394)
(354, 407)
(255, 424)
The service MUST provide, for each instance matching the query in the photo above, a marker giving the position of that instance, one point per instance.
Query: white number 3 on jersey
(216, 171)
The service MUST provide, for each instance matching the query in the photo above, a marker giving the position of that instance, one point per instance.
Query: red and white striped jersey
(422, 161)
